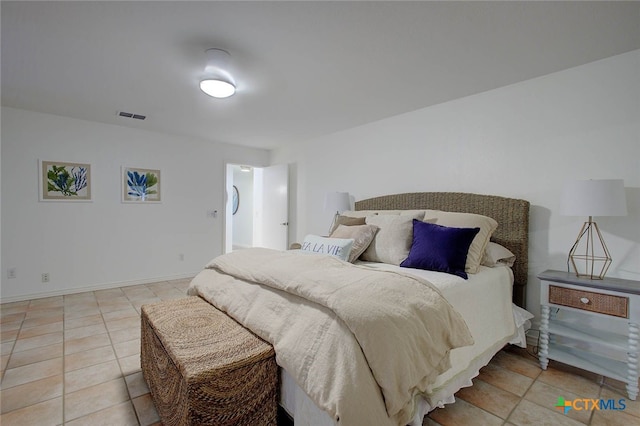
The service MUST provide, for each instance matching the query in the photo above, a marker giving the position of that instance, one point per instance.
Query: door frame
(227, 224)
(227, 216)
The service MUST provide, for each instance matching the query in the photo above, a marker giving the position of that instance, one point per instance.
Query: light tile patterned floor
(513, 390)
(75, 360)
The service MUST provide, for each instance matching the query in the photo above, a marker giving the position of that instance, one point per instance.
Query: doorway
(256, 208)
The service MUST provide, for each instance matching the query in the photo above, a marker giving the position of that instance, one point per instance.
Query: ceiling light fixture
(217, 81)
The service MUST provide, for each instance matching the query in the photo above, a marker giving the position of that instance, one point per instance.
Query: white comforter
(363, 344)
(484, 301)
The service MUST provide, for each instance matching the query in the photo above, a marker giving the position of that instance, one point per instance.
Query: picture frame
(64, 181)
(235, 200)
(141, 185)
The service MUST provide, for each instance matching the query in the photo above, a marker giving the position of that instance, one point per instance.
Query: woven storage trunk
(203, 368)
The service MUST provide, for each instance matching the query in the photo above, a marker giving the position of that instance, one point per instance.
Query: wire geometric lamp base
(590, 258)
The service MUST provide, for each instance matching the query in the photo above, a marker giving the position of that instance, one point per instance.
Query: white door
(271, 224)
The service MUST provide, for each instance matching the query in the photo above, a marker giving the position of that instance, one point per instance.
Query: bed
(347, 374)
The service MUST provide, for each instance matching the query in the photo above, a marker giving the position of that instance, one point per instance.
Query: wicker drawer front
(588, 301)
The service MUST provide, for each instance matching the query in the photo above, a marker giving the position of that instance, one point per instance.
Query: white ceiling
(303, 69)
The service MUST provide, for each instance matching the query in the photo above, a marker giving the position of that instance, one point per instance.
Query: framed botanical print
(140, 185)
(64, 181)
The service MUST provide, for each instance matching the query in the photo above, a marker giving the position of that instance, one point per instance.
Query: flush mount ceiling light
(217, 81)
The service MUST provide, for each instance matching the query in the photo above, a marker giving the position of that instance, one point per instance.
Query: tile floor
(75, 360)
(513, 390)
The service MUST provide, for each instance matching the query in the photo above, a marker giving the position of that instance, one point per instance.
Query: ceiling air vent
(130, 115)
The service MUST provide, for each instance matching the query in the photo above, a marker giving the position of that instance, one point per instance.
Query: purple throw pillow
(440, 248)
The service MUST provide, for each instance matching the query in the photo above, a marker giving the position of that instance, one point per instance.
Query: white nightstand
(591, 324)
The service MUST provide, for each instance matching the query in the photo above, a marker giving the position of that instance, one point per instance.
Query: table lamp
(336, 202)
(589, 255)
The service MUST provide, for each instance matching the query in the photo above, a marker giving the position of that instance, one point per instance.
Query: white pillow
(467, 220)
(495, 254)
(337, 247)
(393, 240)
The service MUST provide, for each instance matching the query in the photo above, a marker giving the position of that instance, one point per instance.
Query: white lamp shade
(603, 197)
(337, 201)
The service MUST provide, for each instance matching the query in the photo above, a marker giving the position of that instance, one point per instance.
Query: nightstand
(591, 324)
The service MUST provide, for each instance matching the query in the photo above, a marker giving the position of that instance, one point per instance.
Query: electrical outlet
(12, 273)
(181, 256)
(45, 277)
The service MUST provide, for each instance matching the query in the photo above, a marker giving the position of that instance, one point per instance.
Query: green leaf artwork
(66, 180)
(142, 185)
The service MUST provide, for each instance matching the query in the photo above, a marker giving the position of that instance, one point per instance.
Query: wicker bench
(203, 368)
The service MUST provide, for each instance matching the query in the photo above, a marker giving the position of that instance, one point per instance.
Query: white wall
(520, 141)
(106, 243)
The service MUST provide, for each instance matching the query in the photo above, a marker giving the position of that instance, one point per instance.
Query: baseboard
(104, 286)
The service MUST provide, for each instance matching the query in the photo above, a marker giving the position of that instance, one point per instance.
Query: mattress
(484, 301)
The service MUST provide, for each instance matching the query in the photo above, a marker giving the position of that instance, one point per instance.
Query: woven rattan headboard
(511, 214)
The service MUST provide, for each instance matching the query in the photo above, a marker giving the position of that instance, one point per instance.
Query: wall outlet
(12, 273)
(45, 277)
(181, 256)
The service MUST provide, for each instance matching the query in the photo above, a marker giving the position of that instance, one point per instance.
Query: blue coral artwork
(140, 185)
(64, 181)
